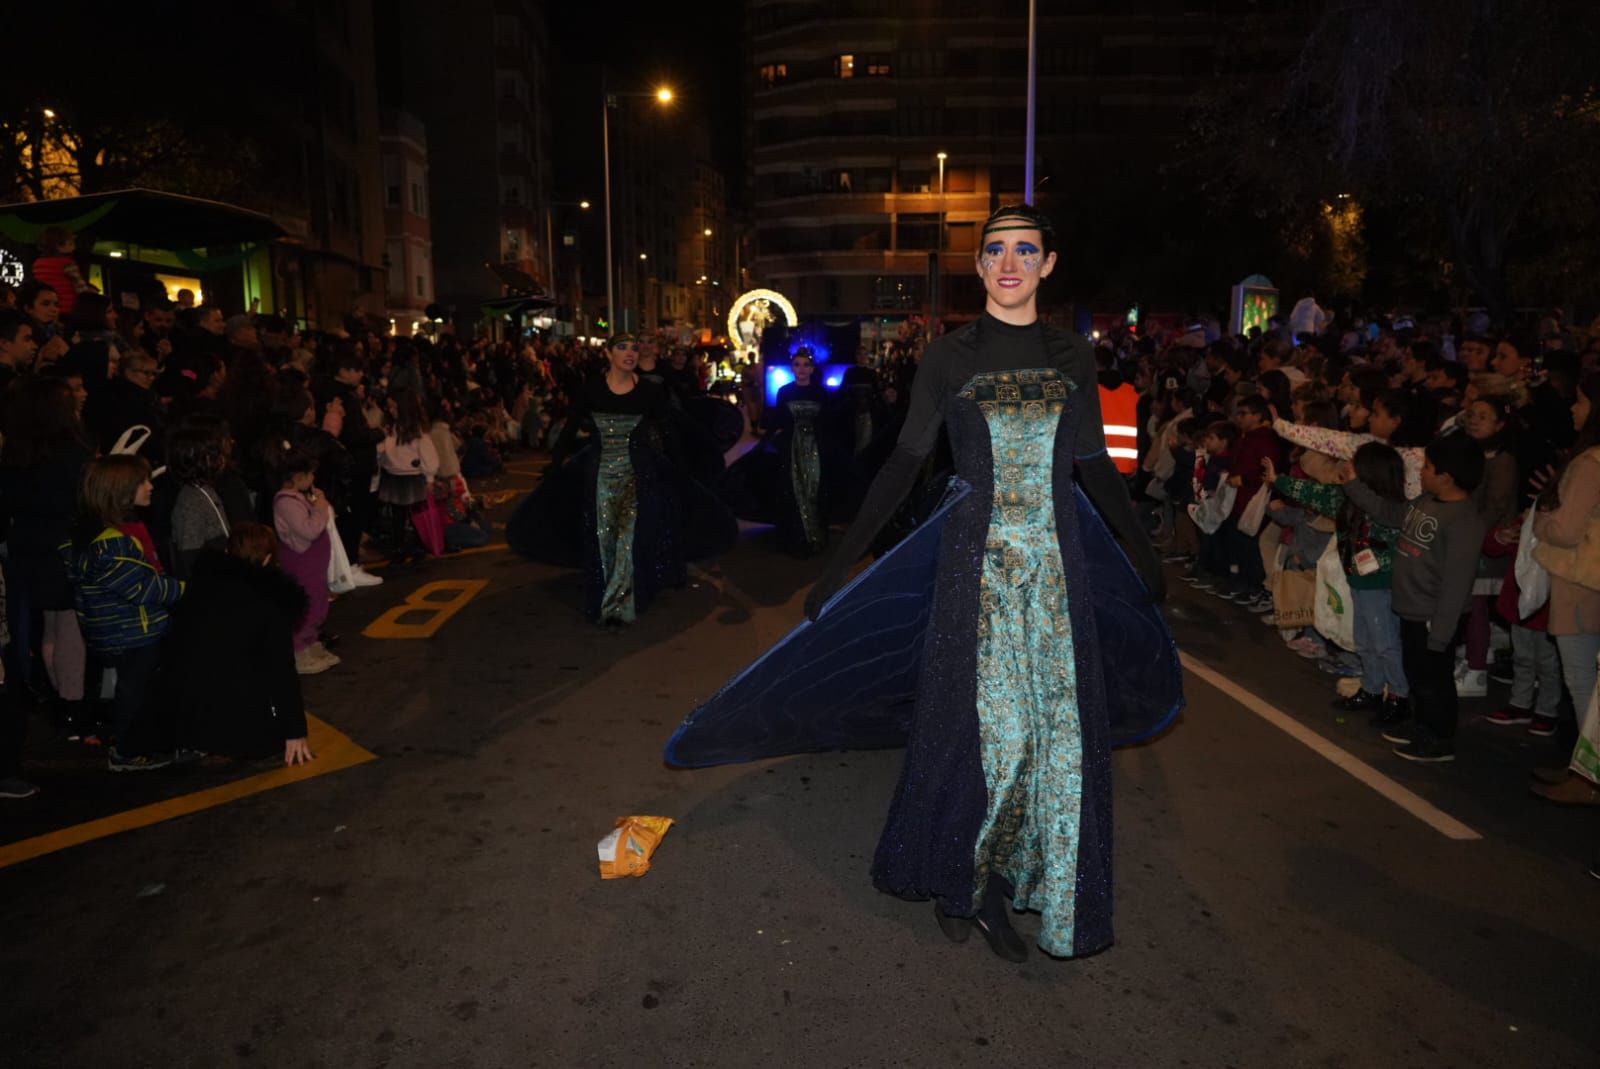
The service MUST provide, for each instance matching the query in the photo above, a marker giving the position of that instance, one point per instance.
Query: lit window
(878, 67)
(845, 66)
(774, 73)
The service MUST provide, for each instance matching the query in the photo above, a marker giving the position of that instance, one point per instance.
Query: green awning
(141, 217)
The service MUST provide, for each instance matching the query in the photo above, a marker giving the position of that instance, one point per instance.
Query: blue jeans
(1377, 633)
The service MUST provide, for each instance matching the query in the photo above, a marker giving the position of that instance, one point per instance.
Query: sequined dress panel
(805, 471)
(616, 494)
(1027, 681)
(1007, 771)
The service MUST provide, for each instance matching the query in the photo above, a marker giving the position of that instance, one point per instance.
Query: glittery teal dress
(802, 526)
(1007, 773)
(1031, 645)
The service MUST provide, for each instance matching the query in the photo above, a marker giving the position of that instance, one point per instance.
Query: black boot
(955, 929)
(994, 921)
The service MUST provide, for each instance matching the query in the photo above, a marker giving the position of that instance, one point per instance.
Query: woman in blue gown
(1031, 645)
(1006, 789)
(795, 419)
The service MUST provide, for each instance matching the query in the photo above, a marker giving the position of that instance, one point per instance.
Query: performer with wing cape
(1034, 646)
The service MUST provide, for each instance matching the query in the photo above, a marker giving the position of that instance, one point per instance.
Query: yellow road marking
(434, 612)
(334, 749)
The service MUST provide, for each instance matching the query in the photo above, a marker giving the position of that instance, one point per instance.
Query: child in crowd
(1366, 553)
(1257, 442)
(1535, 662)
(57, 268)
(1181, 489)
(408, 462)
(122, 602)
(238, 694)
(196, 460)
(300, 513)
(1435, 563)
(1213, 466)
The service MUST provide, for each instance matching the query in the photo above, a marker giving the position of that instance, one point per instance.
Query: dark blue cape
(848, 681)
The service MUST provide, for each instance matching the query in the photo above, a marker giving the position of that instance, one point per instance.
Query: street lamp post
(1033, 94)
(608, 100)
(937, 255)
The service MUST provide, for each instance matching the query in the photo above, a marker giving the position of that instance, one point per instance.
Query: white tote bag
(1255, 512)
(1335, 611)
(1212, 512)
(1533, 582)
(341, 580)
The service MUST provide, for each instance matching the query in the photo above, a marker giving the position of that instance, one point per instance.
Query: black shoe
(1392, 713)
(328, 639)
(1002, 938)
(1360, 700)
(955, 929)
(1426, 751)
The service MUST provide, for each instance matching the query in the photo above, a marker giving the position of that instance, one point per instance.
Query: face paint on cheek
(989, 263)
(1031, 264)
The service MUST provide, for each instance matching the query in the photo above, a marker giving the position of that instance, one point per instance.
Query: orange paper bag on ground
(626, 851)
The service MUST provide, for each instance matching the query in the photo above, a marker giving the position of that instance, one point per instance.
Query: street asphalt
(441, 907)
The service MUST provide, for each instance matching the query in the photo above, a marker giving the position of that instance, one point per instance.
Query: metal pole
(550, 246)
(1033, 92)
(605, 133)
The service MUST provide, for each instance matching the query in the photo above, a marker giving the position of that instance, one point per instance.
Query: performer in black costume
(1006, 788)
(630, 538)
(795, 421)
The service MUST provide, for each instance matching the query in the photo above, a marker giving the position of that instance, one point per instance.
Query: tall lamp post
(937, 256)
(1033, 99)
(608, 100)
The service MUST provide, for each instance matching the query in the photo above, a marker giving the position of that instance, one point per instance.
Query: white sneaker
(1471, 682)
(361, 577)
(314, 659)
(341, 586)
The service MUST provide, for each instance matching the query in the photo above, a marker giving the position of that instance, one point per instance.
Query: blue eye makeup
(1027, 248)
(994, 249)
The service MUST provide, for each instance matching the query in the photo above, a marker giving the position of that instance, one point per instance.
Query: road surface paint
(334, 749)
(1412, 803)
(428, 613)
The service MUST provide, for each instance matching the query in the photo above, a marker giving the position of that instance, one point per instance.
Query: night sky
(693, 47)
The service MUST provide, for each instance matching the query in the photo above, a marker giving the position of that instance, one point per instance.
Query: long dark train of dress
(1008, 767)
(616, 509)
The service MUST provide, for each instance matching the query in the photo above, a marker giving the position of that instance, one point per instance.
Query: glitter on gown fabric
(805, 475)
(616, 509)
(907, 628)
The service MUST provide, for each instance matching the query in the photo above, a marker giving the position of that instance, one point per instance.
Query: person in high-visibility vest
(1119, 412)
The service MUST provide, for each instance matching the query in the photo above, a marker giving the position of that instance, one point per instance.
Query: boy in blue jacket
(122, 599)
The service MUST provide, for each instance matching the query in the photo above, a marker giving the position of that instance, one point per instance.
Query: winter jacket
(234, 688)
(122, 600)
(299, 523)
(1253, 448)
(1364, 533)
(416, 457)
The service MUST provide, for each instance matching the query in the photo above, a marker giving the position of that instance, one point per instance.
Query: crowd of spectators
(1415, 506)
(174, 478)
